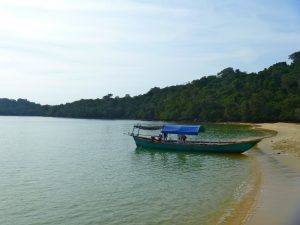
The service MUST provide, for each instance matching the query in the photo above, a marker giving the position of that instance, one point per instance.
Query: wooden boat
(157, 142)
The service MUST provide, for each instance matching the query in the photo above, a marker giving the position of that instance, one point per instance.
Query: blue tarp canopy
(182, 129)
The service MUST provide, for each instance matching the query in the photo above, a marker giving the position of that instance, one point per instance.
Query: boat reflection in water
(188, 160)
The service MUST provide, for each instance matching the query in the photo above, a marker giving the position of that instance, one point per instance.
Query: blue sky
(59, 51)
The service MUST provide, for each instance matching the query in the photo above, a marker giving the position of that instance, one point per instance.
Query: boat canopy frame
(143, 127)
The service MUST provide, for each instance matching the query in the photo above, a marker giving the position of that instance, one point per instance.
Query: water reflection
(183, 154)
(189, 159)
(89, 171)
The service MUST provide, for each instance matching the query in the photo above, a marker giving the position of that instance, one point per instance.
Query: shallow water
(76, 171)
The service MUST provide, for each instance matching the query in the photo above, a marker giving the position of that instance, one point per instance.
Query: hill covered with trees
(232, 95)
(21, 107)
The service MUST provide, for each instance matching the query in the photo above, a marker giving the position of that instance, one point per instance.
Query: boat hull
(218, 147)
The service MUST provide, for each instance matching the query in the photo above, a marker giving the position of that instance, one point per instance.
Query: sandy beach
(277, 200)
(287, 139)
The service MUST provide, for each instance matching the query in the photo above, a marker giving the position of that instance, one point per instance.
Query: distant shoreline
(254, 124)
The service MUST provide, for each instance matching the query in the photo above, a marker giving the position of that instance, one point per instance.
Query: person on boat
(159, 137)
(165, 136)
(183, 137)
(179, 138)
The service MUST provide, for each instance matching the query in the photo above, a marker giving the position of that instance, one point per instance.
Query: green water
(75, 171)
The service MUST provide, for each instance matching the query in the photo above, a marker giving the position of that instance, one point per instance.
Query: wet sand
(278, 196)
(239, 210)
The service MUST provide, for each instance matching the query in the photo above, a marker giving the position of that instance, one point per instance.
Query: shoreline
(274, 194)
(239, 209)
(278, 194)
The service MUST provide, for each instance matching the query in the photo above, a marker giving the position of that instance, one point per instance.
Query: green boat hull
(218, 147)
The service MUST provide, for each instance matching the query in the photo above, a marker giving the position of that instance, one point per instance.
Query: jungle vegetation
(270, 95)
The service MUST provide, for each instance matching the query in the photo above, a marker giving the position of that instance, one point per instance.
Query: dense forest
(232, 95)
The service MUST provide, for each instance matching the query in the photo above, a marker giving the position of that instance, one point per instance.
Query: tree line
(270, 95)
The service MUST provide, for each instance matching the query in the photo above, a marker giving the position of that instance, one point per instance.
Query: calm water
(73, 171)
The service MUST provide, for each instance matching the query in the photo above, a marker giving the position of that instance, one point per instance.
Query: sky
(59, 51)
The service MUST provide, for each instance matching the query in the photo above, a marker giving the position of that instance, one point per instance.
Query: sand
(287, 139)
(278, 196)
(240, 210)
(286, 142)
